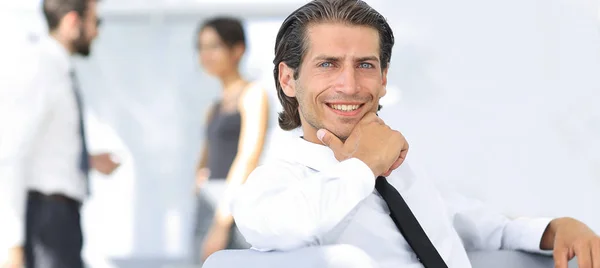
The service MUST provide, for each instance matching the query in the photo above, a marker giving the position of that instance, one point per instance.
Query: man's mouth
(344, 107)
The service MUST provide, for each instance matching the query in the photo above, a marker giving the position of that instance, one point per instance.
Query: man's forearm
(277, 215)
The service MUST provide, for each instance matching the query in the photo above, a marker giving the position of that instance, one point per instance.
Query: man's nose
(346, 81)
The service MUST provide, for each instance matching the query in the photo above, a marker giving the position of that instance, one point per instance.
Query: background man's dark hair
(229, 29)
(55, 10)
(291, 43)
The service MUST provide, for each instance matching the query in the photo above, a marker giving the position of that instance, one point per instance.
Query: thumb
(330, 140)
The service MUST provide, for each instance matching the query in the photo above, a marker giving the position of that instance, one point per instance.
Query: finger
(583, 254)
(330, 140)
(404, 145)
(596, 253)
(403, 154)
(114, 166)
(404, 150)
(394, 166)
(561, 257)
(397, 164)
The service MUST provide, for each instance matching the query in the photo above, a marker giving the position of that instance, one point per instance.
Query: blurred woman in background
(235, 134)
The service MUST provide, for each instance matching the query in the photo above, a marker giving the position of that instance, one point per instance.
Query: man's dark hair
(55, 10)
(229, 29)
(291, 43)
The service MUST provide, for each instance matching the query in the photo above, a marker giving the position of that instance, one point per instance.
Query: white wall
(19, 18)
(500, 100)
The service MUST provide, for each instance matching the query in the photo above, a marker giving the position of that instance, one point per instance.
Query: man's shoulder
(280, 163)
(50, 56)
(279, 167)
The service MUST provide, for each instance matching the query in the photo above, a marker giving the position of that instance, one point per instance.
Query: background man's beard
(82, 46)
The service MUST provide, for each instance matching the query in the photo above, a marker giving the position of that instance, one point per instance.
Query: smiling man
(345, 180)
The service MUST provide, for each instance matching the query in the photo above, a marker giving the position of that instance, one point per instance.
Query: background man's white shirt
(39, 132)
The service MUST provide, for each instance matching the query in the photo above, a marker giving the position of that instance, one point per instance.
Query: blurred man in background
(44, 161)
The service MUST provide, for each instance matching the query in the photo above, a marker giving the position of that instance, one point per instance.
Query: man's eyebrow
(369, 58)
(327, 58)
(334, 58)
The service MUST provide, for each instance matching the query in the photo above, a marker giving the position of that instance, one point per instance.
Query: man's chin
(82, 50)
(342, 135)
(83, 53)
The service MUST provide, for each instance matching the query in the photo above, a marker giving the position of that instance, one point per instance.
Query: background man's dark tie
(409, 226)
(84, 162)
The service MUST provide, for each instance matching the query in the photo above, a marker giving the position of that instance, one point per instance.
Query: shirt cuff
(12, 234)
(526, 234)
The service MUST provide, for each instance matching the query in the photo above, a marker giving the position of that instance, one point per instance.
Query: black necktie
(84, 163)
(408, 225)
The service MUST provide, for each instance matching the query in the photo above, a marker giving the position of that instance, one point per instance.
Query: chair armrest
(338, 256)
(334, 256)
(505, 258)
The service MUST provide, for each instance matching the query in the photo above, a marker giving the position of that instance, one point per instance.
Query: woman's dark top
(223, 135)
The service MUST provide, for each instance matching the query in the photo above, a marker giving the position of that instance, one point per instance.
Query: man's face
(340, 78)
(88, 31)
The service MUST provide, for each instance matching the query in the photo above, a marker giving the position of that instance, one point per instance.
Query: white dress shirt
(39, 132)
(309, 198)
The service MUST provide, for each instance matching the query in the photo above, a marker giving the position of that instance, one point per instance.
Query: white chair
(338, 256)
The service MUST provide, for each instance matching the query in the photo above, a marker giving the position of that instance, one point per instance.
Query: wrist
(377, 169)
(16, 248)
(558, 223)
(547, 242)
(371, 167)
(222, 219)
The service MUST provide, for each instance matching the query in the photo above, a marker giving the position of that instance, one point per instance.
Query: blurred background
(499, 100)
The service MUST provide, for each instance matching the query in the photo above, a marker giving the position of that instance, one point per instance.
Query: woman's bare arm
(254, 110)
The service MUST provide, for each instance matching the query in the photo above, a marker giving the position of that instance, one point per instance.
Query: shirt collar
(315, 156)
(60, 55)
(320, 158)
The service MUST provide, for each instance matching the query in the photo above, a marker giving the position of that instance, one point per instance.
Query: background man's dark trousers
(53, 236)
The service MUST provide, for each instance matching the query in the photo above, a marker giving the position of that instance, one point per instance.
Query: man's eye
(365, 65)
(326, 64)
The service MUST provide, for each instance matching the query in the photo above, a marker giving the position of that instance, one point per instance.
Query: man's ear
(286, 80)
(70, 25)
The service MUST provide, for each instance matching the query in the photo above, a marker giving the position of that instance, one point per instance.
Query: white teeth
(345, 108)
